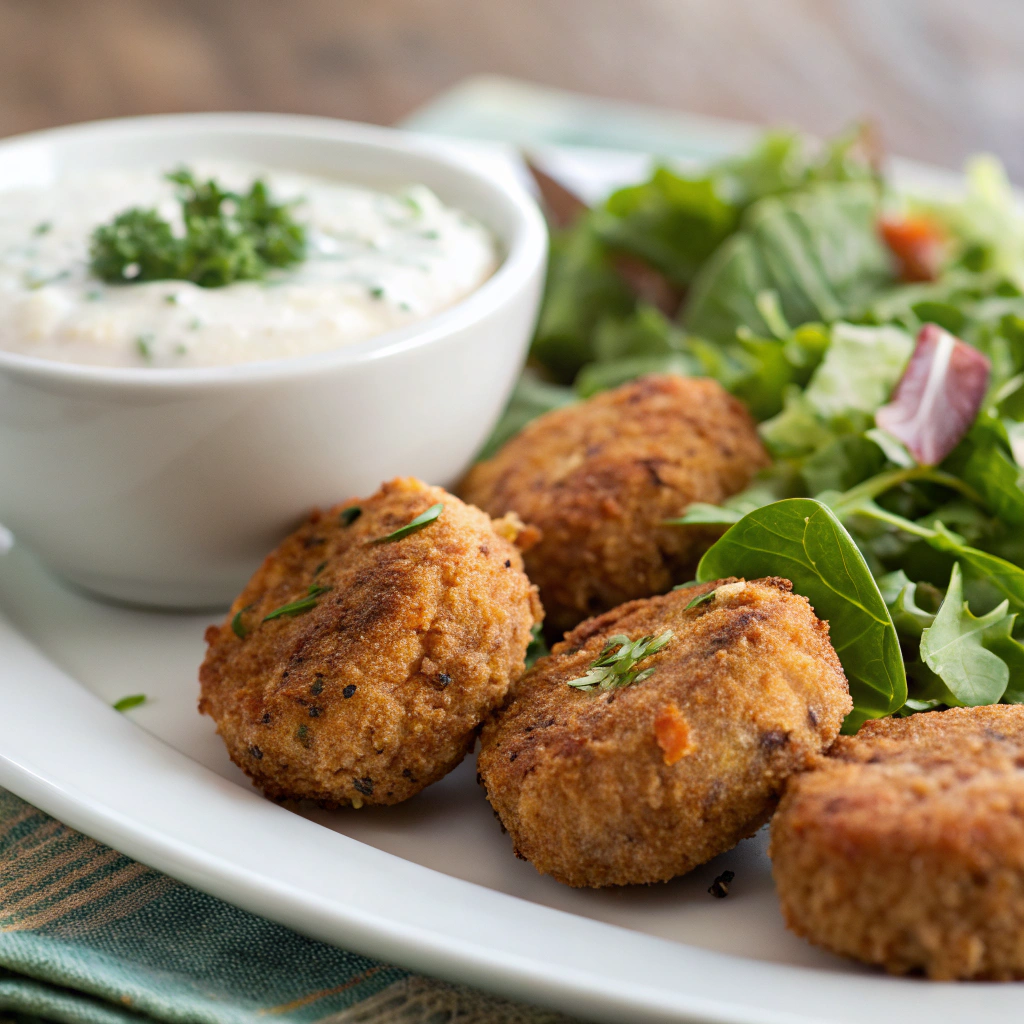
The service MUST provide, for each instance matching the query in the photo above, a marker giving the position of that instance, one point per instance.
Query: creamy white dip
(375, 261)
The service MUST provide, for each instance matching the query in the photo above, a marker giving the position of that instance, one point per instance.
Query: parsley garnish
(615, 668)
(237, 626)
(303, 604)
(702, 598)
(228, 237)
(127, 703)
(349, 515)
(423, 519)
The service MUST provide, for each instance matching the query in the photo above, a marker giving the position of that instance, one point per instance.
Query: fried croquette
(599, 479)
(359, 661)
(904, 847)
(645, 781)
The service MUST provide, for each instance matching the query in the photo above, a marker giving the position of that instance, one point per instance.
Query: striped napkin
(88, 936)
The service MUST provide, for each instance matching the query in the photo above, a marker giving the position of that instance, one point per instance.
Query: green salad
(878, 339)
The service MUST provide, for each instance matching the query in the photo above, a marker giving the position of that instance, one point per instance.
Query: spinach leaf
(817, 248)
(802, 540)
(953, 648)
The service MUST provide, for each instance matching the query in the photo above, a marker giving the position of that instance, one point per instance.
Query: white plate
(431, 884)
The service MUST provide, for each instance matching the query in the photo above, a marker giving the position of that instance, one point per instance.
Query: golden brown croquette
(644, 782)
(352, 670)
(904, 847)
(600, 478)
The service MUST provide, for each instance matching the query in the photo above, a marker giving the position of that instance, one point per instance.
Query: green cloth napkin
(88, 936)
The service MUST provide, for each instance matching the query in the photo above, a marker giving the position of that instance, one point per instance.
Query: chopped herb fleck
(171, 299)
(237, 626)
(127, 703)
(376, 292)
(702, 599)
(43, 228)
(195, 323)
(319, 569)
(615, 668)
(349, 515)
(94, 295)
(144, 343)
(423, 519)
(181, 349)
(303, 604)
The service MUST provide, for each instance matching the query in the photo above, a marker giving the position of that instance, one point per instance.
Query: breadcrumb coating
(376, 686)
(645, 782)
(904, 847)
(599, 479)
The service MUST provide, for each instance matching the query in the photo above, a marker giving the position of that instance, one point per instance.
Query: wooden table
(942, 78)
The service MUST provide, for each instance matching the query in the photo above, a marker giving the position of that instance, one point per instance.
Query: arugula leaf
(953, 648)
(817, 248)
(772, 485)
(802, 540)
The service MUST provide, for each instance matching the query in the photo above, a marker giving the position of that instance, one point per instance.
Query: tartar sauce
(375, 260)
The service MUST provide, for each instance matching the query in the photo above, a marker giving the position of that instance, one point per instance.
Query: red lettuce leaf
(938, 396)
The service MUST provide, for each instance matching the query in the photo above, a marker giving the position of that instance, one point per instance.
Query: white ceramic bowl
(167, 487)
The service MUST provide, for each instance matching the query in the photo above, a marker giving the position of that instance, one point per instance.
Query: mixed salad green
(879, 341)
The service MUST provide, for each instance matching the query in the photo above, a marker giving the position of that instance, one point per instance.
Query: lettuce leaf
(817, 249)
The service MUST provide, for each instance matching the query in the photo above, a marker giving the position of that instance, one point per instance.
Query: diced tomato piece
(919, 245)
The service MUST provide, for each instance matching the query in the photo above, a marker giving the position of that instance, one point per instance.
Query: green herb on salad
(226, 237)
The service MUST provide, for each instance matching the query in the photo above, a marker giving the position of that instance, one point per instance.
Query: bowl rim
(524, 252)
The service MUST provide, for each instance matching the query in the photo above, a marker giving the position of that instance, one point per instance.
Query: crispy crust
(378, 690)
(645, 782)
(598, 480)
(905, 846)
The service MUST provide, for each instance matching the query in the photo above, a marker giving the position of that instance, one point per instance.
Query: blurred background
(941, 78)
